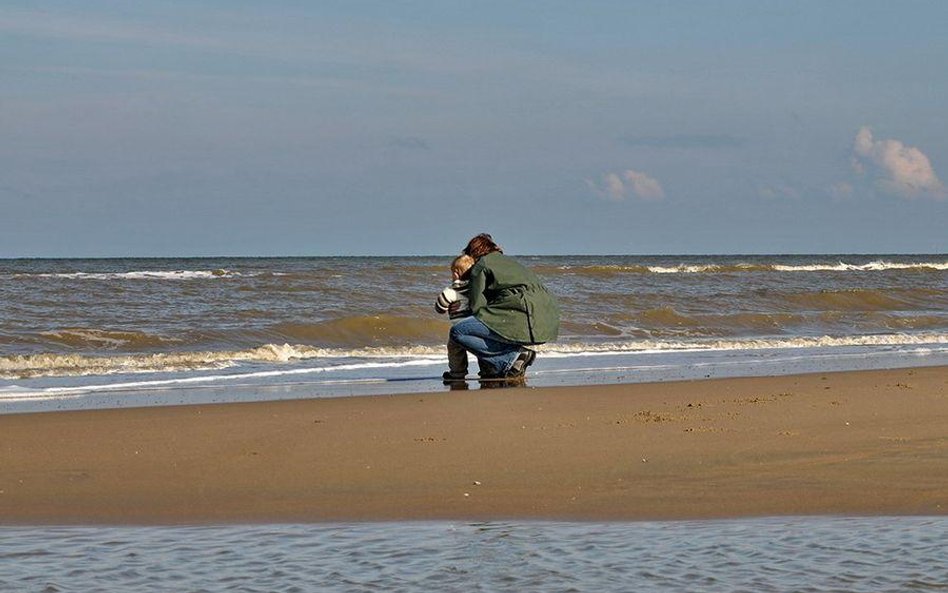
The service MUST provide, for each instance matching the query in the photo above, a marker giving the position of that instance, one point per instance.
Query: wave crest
(65, 365)
(660, 345)
(615, 269)
(26, 366)
(137, 275)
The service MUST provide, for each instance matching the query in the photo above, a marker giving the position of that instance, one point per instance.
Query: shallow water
(755, 555)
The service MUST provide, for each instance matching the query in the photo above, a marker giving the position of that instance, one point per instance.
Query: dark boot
(519, 366)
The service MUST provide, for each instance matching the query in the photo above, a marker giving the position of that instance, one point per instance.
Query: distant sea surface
(95, 330)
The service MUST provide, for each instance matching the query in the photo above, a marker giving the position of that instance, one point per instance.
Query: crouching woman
(511, 311)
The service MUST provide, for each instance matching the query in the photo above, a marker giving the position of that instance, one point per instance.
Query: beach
(845, 443)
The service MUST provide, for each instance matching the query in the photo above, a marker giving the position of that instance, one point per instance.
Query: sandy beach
(870, 442)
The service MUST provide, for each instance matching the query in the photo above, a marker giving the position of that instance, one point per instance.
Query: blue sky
(337, 128)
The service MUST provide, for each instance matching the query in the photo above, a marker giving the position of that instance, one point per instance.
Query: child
(456, 293)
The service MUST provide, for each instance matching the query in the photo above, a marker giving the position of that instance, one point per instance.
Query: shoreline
(851, 443)
(366, 378)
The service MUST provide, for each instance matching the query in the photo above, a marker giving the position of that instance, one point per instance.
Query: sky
(183, 128)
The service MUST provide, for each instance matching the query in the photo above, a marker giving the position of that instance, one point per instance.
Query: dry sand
(873, 442)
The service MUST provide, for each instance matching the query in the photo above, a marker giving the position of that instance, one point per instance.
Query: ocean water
(815, 555)
(113, 332)
(128, 332)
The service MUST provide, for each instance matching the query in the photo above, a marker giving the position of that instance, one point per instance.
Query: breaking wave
(749, 344)
(875, 266)
(136, 275)
(66, 365)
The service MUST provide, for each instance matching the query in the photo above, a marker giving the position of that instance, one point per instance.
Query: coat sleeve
(476, 293)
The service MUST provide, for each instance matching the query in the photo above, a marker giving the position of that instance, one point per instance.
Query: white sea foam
(72, 365)
(876, 266)
(137, 275)
(689, 269)
(568, 349)
(76, 365)
(718, 268)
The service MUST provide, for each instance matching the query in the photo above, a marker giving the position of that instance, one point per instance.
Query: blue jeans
(494, 353)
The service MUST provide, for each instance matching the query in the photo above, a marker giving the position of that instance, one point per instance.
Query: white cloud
(645, 187)
(619, 186)
(902, 170)
(614, 186)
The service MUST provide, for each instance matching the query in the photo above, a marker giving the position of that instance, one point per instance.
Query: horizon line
(298, 256)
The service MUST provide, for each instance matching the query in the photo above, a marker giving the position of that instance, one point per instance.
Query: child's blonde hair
(462, 265)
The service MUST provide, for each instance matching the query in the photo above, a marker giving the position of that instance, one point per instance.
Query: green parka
(510, 299)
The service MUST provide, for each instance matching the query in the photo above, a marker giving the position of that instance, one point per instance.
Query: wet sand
(867, 442)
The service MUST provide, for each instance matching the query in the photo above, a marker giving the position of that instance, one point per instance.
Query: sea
(94, 333)
(786, 554)
(108, 333)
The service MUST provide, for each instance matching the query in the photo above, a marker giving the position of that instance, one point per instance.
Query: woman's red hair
(481, 245)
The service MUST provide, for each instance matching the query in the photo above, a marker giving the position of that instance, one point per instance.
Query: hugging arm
(476, 293)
